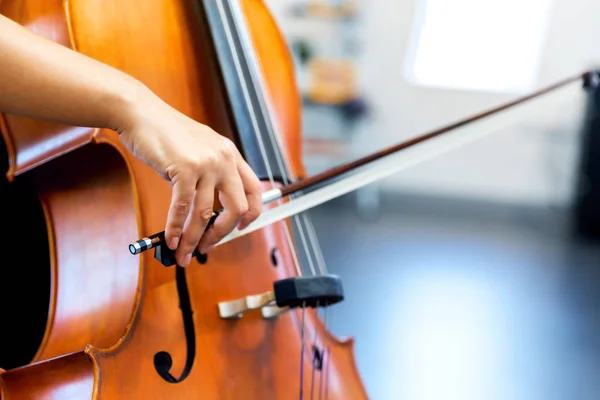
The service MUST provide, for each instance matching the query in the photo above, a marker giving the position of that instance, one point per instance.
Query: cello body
(105, 315)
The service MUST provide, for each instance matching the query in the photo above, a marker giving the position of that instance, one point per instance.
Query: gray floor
(449, 300)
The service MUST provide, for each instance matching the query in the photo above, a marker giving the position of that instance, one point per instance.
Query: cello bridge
(263, 301)
(303, 291)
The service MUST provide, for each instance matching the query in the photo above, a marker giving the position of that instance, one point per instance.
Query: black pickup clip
(308, 291)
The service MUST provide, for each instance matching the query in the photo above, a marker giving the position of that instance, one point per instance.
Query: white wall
(532, 162)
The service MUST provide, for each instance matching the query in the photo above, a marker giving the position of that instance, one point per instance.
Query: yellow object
(323, 9)
(331, 81)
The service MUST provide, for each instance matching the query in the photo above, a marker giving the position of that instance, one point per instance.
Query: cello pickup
(308, 291)
(304, 291)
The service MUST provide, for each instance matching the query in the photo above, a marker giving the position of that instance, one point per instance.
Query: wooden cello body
(103, 325)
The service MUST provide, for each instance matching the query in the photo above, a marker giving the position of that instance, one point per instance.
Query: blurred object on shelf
(326, 9)
(303, 50)
(331, 81)
(317, 146)
(355, 109)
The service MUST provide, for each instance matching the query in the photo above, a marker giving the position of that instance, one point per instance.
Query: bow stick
(374, 166)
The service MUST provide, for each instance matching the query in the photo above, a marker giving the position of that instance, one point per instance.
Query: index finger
(181, 203)
(252, 189)
(231, 194)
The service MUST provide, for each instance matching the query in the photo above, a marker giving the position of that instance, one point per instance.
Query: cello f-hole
(163, 360)
(275, 257)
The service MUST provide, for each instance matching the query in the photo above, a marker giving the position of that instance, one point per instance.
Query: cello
(106, 325)
(123, 327)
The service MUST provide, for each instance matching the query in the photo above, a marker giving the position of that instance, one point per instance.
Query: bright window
(484, 45)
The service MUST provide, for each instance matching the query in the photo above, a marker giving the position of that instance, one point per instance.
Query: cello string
(312, 249)
(304, 244)
(312, 236)
(253, 116)
(302, 354)
(275, 141)
(303, 223)
(315, 360)
(275, 145)
(265, 108)
(323, 358)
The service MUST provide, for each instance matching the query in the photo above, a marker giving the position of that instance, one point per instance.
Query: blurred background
(475, 274)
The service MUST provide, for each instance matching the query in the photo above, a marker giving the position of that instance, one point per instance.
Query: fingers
(253, 192)
(193, 197)
(198, 219)
(235, 205)
(183, 196)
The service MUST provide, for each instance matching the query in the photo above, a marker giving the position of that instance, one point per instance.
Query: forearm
(43, 80)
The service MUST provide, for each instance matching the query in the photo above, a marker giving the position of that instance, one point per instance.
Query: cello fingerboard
(244, 91)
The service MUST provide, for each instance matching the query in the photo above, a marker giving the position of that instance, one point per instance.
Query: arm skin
(41, 79)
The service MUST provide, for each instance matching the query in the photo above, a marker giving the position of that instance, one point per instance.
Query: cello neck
(256, 135)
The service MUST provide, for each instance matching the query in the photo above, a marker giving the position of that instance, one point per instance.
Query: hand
(195, 160)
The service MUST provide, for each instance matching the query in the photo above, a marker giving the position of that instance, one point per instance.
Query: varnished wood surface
(36, 141)
(123, 309)
(70, 377)
(88, 202)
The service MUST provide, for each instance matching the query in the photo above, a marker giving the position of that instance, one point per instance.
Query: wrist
(126, 104)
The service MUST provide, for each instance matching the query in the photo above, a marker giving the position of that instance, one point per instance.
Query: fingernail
(187, 260)
(174, 243)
